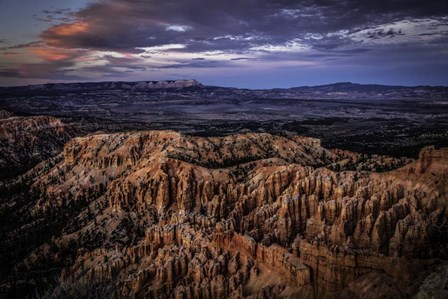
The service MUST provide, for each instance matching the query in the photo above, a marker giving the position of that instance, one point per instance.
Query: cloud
(56, 54)
(177, 28)
(38, 71)
(405, 32)
(22, 46)
(69, 35)
(161, 48)
(63, 15)
(142, 35)
(237, 25)
(241, 58)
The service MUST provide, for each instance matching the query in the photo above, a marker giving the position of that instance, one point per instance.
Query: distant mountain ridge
(173, 84)
(88, 86)
(356, 87)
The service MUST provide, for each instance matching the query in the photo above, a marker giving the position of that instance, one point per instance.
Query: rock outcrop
(25, 141)
(164, 215)
(5, 114)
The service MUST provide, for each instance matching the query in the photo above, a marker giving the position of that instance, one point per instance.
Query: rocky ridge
(163, 215)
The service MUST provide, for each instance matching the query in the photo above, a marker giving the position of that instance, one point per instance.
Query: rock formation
(5, 114)
(25, 141)
(158, 214)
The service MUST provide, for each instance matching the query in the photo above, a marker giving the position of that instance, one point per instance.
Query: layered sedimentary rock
(5, 114)
(25, 141)
(163, 215)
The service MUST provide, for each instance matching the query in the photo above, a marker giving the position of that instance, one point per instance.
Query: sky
(239, 43)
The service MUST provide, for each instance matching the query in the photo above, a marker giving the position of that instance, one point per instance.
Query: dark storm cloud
(233, 25)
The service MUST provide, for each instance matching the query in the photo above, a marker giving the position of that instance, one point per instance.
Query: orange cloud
(51, 54)
(55, 35)
(10, 53)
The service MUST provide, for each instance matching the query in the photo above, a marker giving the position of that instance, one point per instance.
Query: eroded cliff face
(25, 141)
(5, 114)
(163, 215)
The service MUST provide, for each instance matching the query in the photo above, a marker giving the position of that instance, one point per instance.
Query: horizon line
(222, 86)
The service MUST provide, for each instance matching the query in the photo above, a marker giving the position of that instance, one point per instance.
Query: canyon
(174, 189)
(160, 214)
